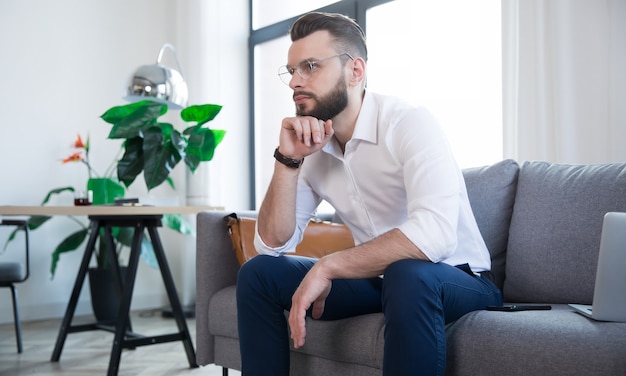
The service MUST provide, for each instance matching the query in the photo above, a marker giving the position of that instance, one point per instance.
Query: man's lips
(301, 98)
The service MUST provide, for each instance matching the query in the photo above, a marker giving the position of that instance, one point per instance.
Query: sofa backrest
(491, 191)
(555, 230)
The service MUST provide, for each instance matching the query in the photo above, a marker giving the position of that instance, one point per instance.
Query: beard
(329, 106)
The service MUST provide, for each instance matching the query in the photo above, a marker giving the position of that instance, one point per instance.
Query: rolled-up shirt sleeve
(308, 202)
(264, 249)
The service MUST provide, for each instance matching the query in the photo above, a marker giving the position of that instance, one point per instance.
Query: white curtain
(564, 84)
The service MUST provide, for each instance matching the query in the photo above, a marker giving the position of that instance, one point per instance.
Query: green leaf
(10, 238)
(166, 129)
(201, 146)
(68, 244)
(125, 237)
(132, 162)
(177, 223)
(133, 119)
(219, 136)
(102, 254)
(32, 222)
(147, 253)
(177, 143)
(170, 181)
(160, 157)
(200, 113)
(36, 221)
(54, 192)
(13, 234)
(118, 113)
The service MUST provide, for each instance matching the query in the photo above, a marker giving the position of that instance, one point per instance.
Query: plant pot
(105, 190)
(105, 299)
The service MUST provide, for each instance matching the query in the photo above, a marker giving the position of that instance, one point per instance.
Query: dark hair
(347, 34)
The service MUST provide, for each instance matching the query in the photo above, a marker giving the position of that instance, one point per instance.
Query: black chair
(15, 272)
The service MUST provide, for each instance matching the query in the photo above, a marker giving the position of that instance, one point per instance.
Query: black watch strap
(289, 162)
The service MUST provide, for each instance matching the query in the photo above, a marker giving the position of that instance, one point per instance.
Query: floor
(87, 353)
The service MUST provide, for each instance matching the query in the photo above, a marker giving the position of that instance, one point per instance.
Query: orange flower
(82, 155)
(78, 144)
(76, 157)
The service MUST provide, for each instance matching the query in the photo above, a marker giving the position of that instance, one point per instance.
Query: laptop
(609, 295)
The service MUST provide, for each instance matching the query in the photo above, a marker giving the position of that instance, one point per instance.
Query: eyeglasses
(305, 69)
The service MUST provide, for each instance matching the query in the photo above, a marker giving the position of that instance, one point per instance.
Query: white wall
(63, 63)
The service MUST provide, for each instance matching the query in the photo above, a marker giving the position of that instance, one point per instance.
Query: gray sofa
(542, 225)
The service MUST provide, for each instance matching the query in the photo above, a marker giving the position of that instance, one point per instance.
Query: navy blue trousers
(418, 298)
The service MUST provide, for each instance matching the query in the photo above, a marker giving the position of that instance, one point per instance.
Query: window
(272, 103)
(445, 56)
(266, 12)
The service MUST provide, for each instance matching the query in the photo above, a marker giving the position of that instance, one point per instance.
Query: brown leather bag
(320, 238)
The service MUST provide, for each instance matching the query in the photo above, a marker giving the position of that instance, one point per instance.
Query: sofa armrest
(216, 268)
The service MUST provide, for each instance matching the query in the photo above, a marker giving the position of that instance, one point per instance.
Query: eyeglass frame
(311, 64)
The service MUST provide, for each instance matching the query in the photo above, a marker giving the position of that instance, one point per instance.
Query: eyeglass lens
(304, 69)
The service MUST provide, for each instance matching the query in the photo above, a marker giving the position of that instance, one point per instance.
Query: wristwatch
(289, 162)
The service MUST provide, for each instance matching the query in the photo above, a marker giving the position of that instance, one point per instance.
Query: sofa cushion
(491, 190)
(555, 230)
(555, 342)
(355, 340)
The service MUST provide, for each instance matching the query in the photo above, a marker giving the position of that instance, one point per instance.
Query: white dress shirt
(397, 171)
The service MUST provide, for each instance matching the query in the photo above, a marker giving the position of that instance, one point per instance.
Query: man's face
(328, 106)
(324, 95)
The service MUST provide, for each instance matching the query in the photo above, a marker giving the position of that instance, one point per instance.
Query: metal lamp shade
(158, 83)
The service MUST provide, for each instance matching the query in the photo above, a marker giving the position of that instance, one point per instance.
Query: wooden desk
(100, 210)
(141, 218)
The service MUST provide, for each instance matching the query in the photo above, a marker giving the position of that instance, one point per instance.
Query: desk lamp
(159, 83)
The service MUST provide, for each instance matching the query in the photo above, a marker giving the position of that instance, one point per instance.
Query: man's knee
(411, 271)
(254, 267)
(261, 270)
(411, 280)
(271, 273)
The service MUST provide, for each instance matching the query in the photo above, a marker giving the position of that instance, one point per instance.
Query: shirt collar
(365, 128)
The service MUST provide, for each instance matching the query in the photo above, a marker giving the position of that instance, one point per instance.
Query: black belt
(486, 274)
(489, 275)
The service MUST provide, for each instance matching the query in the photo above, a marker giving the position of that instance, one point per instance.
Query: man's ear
(358, 71)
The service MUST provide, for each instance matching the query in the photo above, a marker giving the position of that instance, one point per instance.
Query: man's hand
(304, 135)
(313, 289)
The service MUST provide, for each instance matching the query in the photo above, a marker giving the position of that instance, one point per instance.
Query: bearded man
(388, 171)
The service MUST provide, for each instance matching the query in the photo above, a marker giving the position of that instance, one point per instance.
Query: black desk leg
(123, 315)
(78, 285)
(177, 309)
